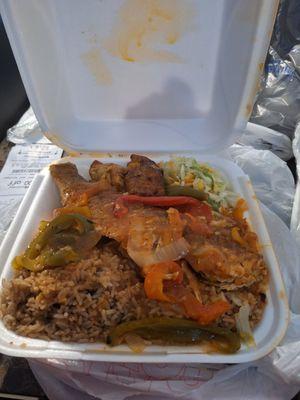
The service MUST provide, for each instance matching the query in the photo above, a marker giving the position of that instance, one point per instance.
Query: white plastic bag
(27, 130)
(262, 138)
(272, 180)
(295, 219)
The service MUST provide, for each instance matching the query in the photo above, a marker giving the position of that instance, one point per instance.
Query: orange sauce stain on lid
(93, 60)
(145, 29)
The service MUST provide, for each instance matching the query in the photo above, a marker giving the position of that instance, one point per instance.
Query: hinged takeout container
(159, 76)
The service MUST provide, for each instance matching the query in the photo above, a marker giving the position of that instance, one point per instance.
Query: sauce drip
(145, 30)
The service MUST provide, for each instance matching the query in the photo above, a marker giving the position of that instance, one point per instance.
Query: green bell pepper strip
(37, 255)
(58, 224)
(177, 331)
(175, 190)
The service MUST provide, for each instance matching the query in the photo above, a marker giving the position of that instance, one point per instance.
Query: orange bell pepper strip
(235, 234)
(240, 208)
(155, 277)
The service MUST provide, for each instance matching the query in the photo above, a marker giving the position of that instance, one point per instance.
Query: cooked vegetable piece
(171, 273)
(239, 210)
(156, 201)
(243, 325)
(204, 314)
(60, 257)
(197, 210)
(57, 243)
(23, 261)
(58, 224)
(188, 172)
(177, 331)
(136, 343)
(155, 277)
(171, 252)
(176, 190)
(214, 204)
(193, 281)
(49, 258)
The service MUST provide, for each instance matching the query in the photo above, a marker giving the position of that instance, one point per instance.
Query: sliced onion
(235, 300)
(243, 325)
(136, 343)
(171, 252)
(193, 281)
(88, 241)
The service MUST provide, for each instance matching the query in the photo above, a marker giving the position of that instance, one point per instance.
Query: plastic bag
(27, 130)
(262, 138)
(278, 103)
(272, 180)
(286, 31)
(295, 219)
(276, 376)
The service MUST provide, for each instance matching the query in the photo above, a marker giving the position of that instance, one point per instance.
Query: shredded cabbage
(189, 172)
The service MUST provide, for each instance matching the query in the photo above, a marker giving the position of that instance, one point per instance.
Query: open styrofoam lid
(140, 75)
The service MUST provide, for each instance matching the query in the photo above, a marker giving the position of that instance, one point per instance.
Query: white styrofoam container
(39, 203)
(200, 101)
(90, 98)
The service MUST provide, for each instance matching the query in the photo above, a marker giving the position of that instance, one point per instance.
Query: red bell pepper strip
(197, 226)
(157, 288)
(200, 210)
(205, 314)
(120, 208)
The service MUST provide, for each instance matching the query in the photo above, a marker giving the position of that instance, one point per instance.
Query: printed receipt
(22, 164)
